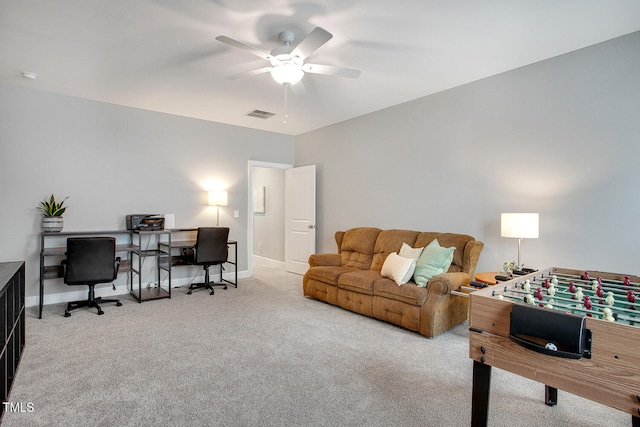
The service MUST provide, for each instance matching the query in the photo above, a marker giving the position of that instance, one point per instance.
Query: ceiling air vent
(260, 114)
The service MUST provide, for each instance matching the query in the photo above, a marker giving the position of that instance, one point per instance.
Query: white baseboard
(107, 291)
(269, 261)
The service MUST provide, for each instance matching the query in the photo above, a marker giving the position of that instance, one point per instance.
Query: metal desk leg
(480, 394)
(236, 266)
(41, 286)
(41, 301)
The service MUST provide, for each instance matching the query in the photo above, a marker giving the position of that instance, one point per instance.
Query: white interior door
(300, 217)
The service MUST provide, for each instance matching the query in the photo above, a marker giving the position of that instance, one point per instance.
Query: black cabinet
(12, 317)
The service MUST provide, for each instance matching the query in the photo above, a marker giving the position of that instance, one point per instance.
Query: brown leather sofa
(352, 279)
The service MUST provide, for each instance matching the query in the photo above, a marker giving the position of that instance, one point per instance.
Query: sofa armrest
(339, 235)
(316, 260)
(443, 284)
(471, 255)
(442, 310)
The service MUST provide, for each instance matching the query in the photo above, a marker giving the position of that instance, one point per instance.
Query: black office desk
(59, 251)
(127, 246)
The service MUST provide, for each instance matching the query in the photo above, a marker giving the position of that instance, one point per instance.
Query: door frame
(251, 165)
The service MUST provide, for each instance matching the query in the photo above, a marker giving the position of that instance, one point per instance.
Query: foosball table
(576, 331)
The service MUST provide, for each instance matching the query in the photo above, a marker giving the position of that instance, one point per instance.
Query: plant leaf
(51, 208)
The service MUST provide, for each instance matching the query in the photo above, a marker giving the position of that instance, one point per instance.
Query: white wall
(112, 161)
(268, 227)
(559, 137)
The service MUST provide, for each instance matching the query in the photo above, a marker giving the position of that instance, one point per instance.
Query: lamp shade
(519, 225)
(217, 198)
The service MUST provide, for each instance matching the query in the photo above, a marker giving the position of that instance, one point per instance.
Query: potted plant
(52, 214)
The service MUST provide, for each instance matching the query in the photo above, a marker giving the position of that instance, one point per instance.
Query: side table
(488, 277)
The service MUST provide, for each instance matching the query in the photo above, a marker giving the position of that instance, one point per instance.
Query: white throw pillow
(397, 268)
(408, 252)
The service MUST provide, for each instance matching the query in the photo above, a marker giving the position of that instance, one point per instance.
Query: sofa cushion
(398, 268)
(356, 247)
(391, 241)
(327, 273)
(360, 281)
(434, 260)
(447, 240)
(408, 293)
(397, 312)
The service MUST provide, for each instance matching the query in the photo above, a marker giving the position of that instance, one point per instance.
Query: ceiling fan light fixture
(287, 73)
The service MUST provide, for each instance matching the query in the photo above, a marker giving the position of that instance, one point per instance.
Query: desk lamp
(217, 199)
(519, 226)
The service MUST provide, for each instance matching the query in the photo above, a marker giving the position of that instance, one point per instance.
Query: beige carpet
(261, 355)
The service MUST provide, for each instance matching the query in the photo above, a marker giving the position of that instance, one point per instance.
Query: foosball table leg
(480, 394)
(550, 396)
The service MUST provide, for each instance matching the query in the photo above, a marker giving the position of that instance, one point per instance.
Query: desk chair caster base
(209, 285)
(91, 303)
(215, 284)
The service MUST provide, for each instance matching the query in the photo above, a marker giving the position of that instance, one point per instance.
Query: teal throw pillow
(434, 260)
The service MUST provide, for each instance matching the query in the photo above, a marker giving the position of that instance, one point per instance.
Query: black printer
(145, 222)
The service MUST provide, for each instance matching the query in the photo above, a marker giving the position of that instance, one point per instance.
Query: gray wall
(113, 161)
(268, 227)
(559, 137)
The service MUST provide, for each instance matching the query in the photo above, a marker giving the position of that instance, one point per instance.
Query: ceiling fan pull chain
(285, 86)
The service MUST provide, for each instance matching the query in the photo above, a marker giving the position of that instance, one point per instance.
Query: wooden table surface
(488, 277)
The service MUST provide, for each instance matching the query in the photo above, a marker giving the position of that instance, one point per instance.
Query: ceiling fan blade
(312, 42)
(331, 70)
(244, 46)
(249, 73)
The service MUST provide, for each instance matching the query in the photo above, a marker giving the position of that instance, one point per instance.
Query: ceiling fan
(288, 64)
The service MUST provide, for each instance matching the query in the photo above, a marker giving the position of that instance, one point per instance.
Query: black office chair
(90, 260)
(211, 249)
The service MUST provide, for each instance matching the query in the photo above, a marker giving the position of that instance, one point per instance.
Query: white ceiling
(162, 55)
